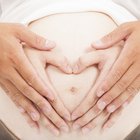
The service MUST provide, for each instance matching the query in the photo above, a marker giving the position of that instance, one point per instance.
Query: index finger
(29, 74)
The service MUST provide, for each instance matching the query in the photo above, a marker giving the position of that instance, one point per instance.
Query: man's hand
(123, 79)
(88, 110)
(54, 112)
(14, 65)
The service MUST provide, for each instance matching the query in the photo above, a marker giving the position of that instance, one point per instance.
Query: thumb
(87, 60)
(33, 40)
(112, 38)
(57, 60)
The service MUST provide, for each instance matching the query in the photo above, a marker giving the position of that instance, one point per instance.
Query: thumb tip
(97, 44)
(50, 44)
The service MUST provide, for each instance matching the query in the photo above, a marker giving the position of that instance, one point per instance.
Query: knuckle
(95, 110)
(31, 79)
(26, 89)
(108, 98)
(40, 103)
(16, 97)
(105, 87)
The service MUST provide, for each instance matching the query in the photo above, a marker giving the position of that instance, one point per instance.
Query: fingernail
(69, 69)
(21, 109)
(33, 125)
(101, 105)
(56, 132)
(108, 125)
(85, 130)
(76, 126)
(111, 108)
(74, 117)
(75, 68)
(65, 128)
(125, 104)
(34, 116)
(50, 44)
(100, 93)
(98, 43)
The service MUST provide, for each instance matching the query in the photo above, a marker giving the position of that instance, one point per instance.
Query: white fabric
(25, 11)
(132, 5)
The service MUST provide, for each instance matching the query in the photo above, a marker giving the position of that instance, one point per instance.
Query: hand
(107, 120)
(123, 80)
(14, 65)
(88, 109)
(39, 60)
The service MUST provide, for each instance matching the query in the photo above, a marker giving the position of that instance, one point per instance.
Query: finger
(57, 104)
(45, 106)
(112, 38)
(22, 101)
(112, 119)
(25, 35)
(30, 75)
(57, 60)
(29, 120)
(119, 87)
(49, 125)
(95, 122)
(87, 60)
(91, 99)
(29, 92)
(132, 90)
(118, 70)
(86, 118)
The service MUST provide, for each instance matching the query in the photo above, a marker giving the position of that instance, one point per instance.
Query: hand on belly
(72, 88)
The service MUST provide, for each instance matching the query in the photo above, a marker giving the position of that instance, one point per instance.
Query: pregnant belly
(73, 34)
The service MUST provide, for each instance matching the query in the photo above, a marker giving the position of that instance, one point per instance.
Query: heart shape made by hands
(72, 88)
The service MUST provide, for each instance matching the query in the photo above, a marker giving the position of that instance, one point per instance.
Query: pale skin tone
(96, 110)
(122, 82)
(19, 74)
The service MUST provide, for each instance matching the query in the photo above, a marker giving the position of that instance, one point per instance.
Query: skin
(121, 81)
(17, 71)
(48, 115)
(89, 120)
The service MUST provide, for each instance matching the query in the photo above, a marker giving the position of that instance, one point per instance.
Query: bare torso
(73, 34)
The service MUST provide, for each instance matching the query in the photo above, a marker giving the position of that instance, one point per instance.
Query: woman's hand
(14, 65)
(53, 115)
(54, 111)
(88, 109)
(123, 79)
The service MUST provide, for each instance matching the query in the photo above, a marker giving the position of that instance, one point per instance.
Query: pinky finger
(112, 119)
(115, 115)
(27, 117)
(49, 125)
(29, 120)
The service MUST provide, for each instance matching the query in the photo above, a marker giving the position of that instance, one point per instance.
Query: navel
(73, 90)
